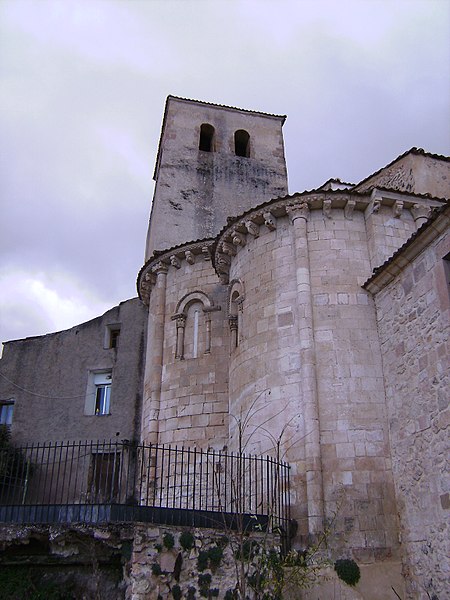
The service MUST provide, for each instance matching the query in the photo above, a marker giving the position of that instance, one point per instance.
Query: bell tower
(213, 162)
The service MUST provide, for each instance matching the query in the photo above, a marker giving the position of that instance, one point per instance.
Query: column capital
(233, 322)
(420, 213)
(160, 268)
(180, 319)
(298, 211)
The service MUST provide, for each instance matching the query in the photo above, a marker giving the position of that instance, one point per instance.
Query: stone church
(312, 326)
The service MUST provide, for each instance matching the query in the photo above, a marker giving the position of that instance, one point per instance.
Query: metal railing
(95, 481)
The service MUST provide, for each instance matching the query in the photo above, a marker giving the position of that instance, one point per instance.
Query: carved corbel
(145, 287)
(270, 221)
(376, 205)
(223, 263)
(349, 208)
(190, 257)
(175, 261)
(238, 238)
(252, 228)
(397, 208)
(326, 208)
(206, 252)
(223, 260)
(227, 248)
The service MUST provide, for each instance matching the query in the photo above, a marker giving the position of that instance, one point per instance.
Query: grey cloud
(82, 106)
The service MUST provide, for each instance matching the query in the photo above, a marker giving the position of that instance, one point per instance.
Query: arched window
(242, 143)
(193, 322)
(206, 142)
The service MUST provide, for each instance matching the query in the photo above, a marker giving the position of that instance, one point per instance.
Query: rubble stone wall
(413, 313)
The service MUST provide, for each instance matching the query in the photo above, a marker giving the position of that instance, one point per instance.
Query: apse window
(6, 413)
(242, 143)
(206, 143)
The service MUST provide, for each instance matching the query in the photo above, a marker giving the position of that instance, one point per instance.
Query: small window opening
(114, 338)
(112, 332)
(206, 138)
(242, 143)
(6, 413)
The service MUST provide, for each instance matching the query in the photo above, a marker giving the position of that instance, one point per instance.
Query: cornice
(251, 224)
(264, 217)
(173, 258)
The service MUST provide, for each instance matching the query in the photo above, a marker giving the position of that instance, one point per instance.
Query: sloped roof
(413, 150)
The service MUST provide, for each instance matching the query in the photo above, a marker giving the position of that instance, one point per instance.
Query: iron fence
(110, 480)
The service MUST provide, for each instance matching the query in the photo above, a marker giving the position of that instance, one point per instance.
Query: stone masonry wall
(413, 319)
(387, 230)
(265, 377)
(194, 389)
(269, 374)
(357, 476)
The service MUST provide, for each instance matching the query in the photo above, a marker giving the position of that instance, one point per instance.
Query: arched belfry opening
(242, 143)
(207, 134)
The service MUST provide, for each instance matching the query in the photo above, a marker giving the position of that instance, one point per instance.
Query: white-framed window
(102, 383)
(6, 413)
(98, 395)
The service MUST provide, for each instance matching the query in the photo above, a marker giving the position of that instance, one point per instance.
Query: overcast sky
(83, 86)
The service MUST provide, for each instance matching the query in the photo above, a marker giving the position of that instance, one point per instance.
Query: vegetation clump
(168, 541)
(187, 540)
(176, 592)
(215, 555)
(202, 560)
(204, 583)
(347, 570)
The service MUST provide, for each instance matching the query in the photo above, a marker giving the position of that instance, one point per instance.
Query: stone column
(155, 348)
(181, 324)
(208, 332)
(298, 215)
(233, 323)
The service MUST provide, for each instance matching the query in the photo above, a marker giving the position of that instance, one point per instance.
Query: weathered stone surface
(413, 320)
